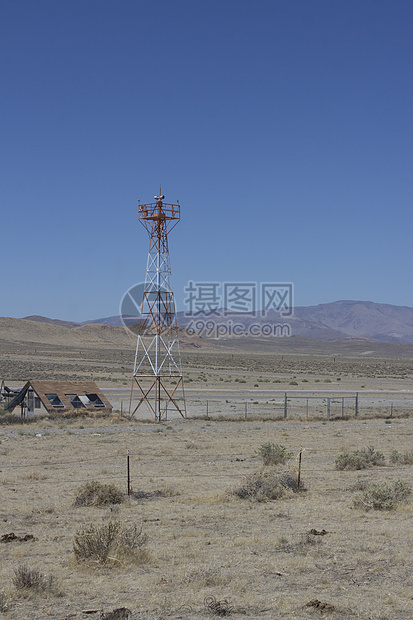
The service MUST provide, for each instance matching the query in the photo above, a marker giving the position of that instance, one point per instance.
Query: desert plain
(308, 554)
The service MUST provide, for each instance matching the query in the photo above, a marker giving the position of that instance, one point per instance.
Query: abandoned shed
(40, 397)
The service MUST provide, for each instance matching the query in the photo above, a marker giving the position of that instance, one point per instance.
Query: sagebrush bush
(274, 454)
(97, 494)
(267, 485)
(401, 459)
(383, 496)
(112, 541)
(359, 459)
(34, 580)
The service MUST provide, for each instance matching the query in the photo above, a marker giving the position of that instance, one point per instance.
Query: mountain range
(330, 321)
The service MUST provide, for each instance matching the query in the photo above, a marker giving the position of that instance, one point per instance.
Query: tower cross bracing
(157, 379)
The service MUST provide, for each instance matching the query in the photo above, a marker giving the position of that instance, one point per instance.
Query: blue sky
(284, 128)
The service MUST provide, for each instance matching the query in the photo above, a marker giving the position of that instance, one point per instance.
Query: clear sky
(284, 128)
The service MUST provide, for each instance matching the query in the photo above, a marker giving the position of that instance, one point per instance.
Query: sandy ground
(202, 540)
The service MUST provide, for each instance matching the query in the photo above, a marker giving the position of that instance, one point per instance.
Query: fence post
(207, 412)
(299, 469)
(128, 473)
(285, 405)
(246, 409)
(342, 407)
(121, 408)
(357, 404)
(391, 410)
(328, 408)
(307, 409)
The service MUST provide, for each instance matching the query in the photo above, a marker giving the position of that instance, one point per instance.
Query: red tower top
(159, 210)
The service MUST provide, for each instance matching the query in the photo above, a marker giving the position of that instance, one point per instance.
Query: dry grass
(28, 581)
(259, 556)
(5, 603)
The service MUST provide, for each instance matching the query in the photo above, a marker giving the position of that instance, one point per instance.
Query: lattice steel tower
(157, 374)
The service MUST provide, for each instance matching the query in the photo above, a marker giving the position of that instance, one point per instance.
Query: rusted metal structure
(157, 375)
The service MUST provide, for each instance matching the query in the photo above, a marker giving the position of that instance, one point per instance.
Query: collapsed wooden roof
(64, 395)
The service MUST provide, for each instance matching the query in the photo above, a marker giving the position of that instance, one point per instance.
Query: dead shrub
(97, 494)
(218, 608)
(359, 485)
(383, 496)
(359, 459)
(267, 485)
(112, 541)
(205, 577)
(302, 546)
(11, 418)
(289, 480)
(32, 580)
(166, 491)
(121, 613)
(35, 475)
(319, 605)
(130, 544)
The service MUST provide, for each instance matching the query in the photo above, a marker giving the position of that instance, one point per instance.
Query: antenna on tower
(157, 375)
(161, 196)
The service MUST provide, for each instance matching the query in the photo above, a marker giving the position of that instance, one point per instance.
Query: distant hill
(331, 321)
(381, 322)
(116, 321)
(41, 331)
(45, 319)
(341, 319)
(49, 332)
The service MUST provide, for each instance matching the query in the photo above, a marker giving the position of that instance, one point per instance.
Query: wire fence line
(307, 406)
(138, 474)
(176, 477)
(206, 459)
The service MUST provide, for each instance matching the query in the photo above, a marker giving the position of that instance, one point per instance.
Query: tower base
(159, 395)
